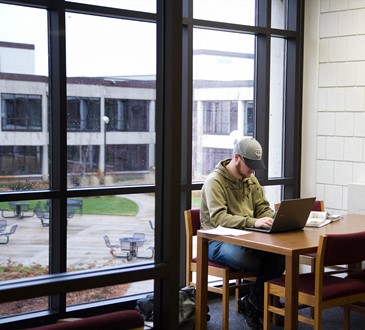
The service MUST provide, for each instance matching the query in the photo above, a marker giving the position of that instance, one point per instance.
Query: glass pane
(230, 11)
(277, 72)
(111, 109)
(223, 68)
(273, 194)
(23, 97)
(195, 199)
(24, 306)
(278, 14)
(24, 239)
(140, 5)
(110, 231)
(115, 291)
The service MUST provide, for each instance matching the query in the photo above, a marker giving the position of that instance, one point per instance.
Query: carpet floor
(332, 318)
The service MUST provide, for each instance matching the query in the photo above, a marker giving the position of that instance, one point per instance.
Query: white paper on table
(224, 231)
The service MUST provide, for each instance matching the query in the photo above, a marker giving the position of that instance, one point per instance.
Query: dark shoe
(250, 313)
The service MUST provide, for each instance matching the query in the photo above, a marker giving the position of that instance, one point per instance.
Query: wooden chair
(358, 307)
(192, 224)
(321, 290)
(310, 258)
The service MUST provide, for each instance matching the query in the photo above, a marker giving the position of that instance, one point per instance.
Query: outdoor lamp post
(106, 121)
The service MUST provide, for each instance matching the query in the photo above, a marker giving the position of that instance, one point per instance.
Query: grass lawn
(98, 206)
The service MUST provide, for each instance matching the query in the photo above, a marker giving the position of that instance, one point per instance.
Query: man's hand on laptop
(265, 222)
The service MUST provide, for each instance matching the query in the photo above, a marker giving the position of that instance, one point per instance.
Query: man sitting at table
(233, 197)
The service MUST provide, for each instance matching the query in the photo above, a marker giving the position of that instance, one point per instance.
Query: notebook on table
(291, 215)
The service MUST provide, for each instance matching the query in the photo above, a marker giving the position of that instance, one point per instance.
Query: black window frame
(23, 114)
(126, 115)
(174, 186)
(83, 114)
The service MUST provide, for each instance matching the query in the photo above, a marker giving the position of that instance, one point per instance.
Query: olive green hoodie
(233, 203)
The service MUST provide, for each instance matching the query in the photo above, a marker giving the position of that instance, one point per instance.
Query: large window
(82, 159)
(20, 160)
(113, 114)
(127, 115)
(220, 117)
(128, 158)
(83, 114)
(21, 112)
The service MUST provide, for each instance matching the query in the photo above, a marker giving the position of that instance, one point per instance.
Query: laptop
(291, 215)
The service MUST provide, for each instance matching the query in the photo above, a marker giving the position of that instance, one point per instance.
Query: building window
(220, 117)
(127, 115)
(82, 159)
(212, 156)
(21, 112)
(129, 157)
(20, 160)
(83, 114)
(249, 119)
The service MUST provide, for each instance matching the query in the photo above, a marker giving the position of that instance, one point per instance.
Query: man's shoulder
(253, 180)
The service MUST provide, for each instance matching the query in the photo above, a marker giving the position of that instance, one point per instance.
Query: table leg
(291, 292)
(133, 248)
(201, 284)
(18, 211)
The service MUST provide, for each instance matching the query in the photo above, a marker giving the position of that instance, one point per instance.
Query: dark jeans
(266, 265)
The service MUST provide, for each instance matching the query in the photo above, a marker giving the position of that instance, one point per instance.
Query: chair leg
(312, 267)
(237, 294)
(317, 319)
(225, 304)
(266, 321)
(346, 318)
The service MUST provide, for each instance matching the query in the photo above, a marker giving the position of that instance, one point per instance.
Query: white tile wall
(342, 173)
(354, 99)
(334, 148)
(347, 22)
(340, 131)
(344, 125)
(336, 99)
(359, 124)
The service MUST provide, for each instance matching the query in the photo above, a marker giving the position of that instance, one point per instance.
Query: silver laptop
(291, 215)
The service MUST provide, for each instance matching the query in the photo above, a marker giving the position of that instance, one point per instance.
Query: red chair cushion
(214, 264)
(333, 286)
(127, 319)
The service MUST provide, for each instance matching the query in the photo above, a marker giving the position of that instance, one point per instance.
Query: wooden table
(290, 244)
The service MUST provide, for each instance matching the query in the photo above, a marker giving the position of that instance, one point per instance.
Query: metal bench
(8, 234)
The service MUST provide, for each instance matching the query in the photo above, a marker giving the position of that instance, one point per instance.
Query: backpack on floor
(186, 307)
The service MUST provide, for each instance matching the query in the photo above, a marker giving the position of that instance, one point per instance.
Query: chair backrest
(13, 229)
(192, 225)
(151, 225)
(38, 206)
(338, 249)
(317, 206)
(107, 241)
(39, 213)
(3, 224)
(194, 220)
